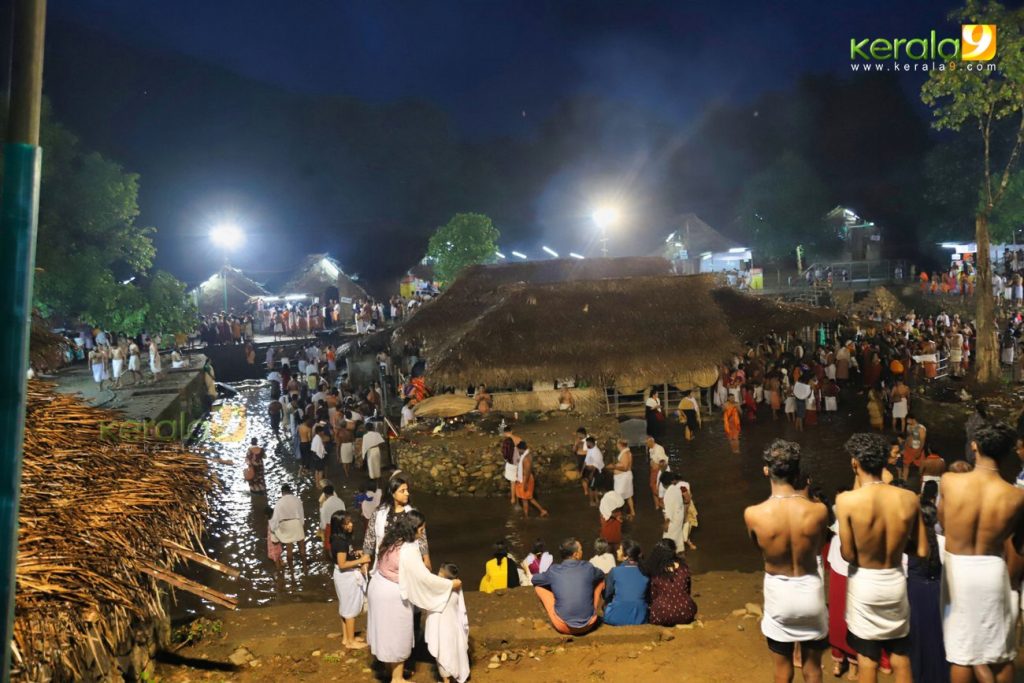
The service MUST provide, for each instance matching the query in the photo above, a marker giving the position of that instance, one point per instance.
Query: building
(695, 247)
(228, 285)
(862, 239)
(321, 277)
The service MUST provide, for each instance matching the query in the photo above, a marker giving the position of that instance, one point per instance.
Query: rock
(240, 657)
(739, 612)
(520, 620)
(504, 656)
(755, 609)
(684, 626)
(559, 649)
(316, 653)
(666, 635)
(254, 663)
(334, 635)
(739, 627)
(493, 665)
(495, 658)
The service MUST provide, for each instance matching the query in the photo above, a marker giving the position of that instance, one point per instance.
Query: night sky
(494, 68)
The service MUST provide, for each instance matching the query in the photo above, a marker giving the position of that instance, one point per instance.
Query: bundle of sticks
(100, 519)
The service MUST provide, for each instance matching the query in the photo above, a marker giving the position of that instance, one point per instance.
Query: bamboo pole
(200, 559)
(190, 586)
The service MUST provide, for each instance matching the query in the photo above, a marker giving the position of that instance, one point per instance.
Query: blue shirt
(625, 592)
(572, 582)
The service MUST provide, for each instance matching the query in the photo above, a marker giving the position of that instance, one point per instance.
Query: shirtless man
(932, 468)
(789, 529)
(876, 524)
(913, 447)
(900, 407)
(134, 366)
(117, 363)
(979, 511)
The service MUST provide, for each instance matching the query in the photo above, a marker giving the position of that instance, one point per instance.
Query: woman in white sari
(401, 580)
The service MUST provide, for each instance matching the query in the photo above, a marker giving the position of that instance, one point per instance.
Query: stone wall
(453, 467)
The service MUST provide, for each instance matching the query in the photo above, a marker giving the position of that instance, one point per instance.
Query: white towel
(610, 502)
(447, 636)
(876, 603)
(794, 608)
(977, 610)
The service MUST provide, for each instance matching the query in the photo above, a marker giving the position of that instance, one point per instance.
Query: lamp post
(605, 217)
(227, 236)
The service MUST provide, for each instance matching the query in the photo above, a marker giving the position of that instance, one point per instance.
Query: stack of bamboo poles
(98, 515)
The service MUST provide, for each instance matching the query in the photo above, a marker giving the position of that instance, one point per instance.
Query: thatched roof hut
(95, 513)
(632, 332)
(477, 287)
(209, 295)
(752, 317)
(317, 274)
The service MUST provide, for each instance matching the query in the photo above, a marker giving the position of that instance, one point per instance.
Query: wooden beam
(190, 586)
(200, 559)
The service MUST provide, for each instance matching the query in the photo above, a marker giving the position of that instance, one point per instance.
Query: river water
(462, 530)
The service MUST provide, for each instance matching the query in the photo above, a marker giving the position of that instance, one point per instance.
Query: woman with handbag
(254, 470)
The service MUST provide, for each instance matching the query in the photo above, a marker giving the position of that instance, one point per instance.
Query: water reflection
(463, 529)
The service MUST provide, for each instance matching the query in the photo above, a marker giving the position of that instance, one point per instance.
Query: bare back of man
(979, 512)
(789, 530)
(876, 523)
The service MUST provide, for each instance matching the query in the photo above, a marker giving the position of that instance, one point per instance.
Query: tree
(963, 96)
(467, 239)
(785, 205)
(169, 308)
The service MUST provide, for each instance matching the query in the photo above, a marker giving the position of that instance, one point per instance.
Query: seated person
(610, 511)
(570, 591)
(603, 558)
(670, 600)
(625, 589)
(539, 559)
(501, 571)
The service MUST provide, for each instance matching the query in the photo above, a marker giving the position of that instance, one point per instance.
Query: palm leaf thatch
(317, 273)
(94, 512)
(633, 332)
(45, 348)
(209, 294)
(477, 287)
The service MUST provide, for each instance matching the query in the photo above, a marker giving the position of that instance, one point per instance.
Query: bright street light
(573, 254)
(550, 251)
(499, 254)
(519, 254)
(605, 217)
(227, 235)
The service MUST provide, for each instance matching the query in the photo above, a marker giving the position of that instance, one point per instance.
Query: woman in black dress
(927, 651)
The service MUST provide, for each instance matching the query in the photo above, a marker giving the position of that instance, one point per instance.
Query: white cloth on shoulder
(447, 636)
(418, 586)
(876, 603)
(794, 608)
(610, 502)
(978, 617)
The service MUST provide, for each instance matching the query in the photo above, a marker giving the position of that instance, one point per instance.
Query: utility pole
(19, 213)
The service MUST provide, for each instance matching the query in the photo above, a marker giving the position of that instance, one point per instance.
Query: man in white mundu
(877, 524)
(979, 511)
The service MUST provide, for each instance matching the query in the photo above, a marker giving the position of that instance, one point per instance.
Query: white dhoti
(154, 365)
(899, 409)
(510, 472)
(117, 365)
(350, 585)
(794, 608)
(831, 404)
(978, 617)
(348, 453)
(388, 621)
(133, 364)
(97, 372)
(622, 482)
(373, 462)
(876, 603)
(289, 531)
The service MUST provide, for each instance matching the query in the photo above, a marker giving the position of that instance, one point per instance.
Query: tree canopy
(467, 239)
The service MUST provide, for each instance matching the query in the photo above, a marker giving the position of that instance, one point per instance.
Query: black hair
(254, 441)
(522, 445)
(782, 458)
(582, 430)
(500, 550)
(870, 450)
(451, 569)
(668, 478)
(601, 546)
(568, 548)
(662, 557)
(930, 516)
(995, 440)
(538, 547)
(340, 540)
(591, 439)
(286, 489)
(328, 490)
(930, 492)
(403, 530)
(631, 550)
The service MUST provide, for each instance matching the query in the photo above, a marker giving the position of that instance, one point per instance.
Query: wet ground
(462, 530)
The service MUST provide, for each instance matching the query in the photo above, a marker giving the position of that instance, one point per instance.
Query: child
(603, 558)
(274, 548)
(349, 579)
(447, 632)
(368, 501)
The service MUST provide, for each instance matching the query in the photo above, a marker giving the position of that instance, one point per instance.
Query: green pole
(19, 213)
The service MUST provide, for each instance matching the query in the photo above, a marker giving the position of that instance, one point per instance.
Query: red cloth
(611, 530)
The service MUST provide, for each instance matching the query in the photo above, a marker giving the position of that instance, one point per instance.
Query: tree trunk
(987, 361)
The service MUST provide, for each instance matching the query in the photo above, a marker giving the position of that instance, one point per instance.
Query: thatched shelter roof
(477, 287)
(46, 349)
(94, 512)
(633, 331)
(317, 273)
(209, 295)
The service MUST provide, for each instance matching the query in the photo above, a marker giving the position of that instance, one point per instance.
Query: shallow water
(461, 530)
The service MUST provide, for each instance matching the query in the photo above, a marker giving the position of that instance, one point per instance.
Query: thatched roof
(477, 287)
(46, 349)
(698, 237)
(209, 295)
(634, 331)
(317, 273)
(93, 514)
